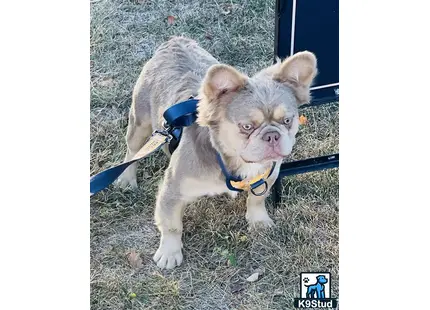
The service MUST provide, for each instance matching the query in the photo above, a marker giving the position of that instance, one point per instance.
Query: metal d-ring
(263, 192)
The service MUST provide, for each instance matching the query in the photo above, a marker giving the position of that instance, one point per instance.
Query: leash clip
(165, 132)
(166, 126)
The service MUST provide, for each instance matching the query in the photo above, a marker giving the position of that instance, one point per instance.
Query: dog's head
(256, 118)
(322, 279)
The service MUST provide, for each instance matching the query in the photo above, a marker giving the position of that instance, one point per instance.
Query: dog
(250, 121)
(317, 290)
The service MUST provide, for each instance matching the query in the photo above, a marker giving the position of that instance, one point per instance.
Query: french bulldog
(250, 121)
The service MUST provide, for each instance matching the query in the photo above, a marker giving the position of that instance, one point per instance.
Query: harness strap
(178, 116)
(182, 114)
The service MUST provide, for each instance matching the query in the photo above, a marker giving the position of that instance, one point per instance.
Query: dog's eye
(247, 126)
(287, 121)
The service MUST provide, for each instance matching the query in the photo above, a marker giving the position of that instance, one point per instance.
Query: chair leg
(276, 193)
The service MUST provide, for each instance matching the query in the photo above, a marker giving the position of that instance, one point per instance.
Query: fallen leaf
(107, 82)
(243, 238)
(278, 292)
(208, 36)
(260, 270)
(303, 120)
(228, 8)
(170, 19)
(132, 295)
(134, 260)
(253, 277)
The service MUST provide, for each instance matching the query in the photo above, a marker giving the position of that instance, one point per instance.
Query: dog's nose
(272, 137)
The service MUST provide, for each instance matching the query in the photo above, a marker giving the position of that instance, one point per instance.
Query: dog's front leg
(169, 211)
(256, 213)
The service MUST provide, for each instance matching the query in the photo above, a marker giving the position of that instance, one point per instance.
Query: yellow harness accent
(246, 185)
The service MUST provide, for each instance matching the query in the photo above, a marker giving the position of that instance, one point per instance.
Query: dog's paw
(124, 183)
(169, 254)
(127, 178)
(259, 220)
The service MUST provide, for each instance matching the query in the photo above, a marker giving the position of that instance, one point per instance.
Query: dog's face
(256, 119)
(322, 279)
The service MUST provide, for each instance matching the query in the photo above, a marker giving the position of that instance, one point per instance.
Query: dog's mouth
(266, 154)
(265, 159)
(274, 156)
(248, 161)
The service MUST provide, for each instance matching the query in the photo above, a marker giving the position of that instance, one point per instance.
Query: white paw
(169, 254)
(259, 219)
(127, 178)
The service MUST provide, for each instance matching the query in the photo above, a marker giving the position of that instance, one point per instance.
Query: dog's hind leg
(138, 131)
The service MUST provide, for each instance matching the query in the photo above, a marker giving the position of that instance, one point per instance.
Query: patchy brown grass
(219, 252)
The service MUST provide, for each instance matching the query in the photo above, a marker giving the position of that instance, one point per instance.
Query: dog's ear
(220, 83)
(222, 79)
(298, 72)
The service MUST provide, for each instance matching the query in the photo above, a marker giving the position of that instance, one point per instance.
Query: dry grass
(219, 252)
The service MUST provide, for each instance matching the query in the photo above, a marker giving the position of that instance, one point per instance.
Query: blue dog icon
(317, 290)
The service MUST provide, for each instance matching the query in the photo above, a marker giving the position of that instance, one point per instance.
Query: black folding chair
(311, 25)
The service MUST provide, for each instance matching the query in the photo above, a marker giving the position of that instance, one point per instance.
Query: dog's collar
(237, 184)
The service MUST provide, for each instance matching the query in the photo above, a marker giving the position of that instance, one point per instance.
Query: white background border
(384, 187)
(45, 96)
(384, 109)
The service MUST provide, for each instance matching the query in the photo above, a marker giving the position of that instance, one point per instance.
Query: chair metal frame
(287, 38)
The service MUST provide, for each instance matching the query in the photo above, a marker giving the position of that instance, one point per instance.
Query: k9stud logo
(315, 291)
